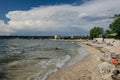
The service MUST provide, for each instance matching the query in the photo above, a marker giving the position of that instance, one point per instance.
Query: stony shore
(86, 69)
(91, 67)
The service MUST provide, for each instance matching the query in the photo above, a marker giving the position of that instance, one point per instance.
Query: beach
(96, 65)
(34, 61)
(85, 69)
(78, 60)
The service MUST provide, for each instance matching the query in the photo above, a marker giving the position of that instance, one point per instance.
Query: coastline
(85, 69)
(91, 61)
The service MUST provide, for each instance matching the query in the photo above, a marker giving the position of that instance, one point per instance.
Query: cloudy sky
(49, 17)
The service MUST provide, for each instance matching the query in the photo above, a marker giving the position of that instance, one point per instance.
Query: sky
(50, 17)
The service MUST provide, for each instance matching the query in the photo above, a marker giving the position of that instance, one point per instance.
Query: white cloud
(4, 29)
(63, 18)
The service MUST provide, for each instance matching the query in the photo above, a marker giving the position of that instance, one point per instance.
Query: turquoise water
(33, 59)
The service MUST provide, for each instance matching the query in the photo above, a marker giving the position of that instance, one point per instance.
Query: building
(57, 37)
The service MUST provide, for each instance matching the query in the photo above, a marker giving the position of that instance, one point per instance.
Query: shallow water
(33, 59)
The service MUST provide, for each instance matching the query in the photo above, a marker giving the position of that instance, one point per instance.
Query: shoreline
(85, 69)
(91, 61)
(78, 56)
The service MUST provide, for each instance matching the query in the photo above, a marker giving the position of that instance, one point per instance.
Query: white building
(57, 37)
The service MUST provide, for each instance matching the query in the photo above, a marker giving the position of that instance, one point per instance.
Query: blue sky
(50, 17)
(7, 5)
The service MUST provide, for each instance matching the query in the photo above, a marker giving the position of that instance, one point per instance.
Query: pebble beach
(91, 67)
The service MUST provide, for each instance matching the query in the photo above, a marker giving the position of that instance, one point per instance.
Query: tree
(95, 32)
(108, 32)
(115, 26)
(116, 15)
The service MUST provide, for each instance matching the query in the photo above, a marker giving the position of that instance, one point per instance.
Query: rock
(106, 70)
(116, 75)
(116, 72)
(106, 57)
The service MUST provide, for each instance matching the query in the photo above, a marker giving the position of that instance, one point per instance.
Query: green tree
(95, 32)
(116, 15)
(107, 32)
(115, 26)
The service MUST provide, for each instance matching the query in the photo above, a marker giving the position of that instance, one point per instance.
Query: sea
(36, 59)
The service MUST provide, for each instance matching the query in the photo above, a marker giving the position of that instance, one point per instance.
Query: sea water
(33, 59)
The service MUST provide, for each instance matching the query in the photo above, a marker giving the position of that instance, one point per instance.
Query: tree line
(112, 32)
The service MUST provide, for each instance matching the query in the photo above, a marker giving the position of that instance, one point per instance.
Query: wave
(49, 67)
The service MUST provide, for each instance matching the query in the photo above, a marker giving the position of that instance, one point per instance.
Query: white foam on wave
(62, 62)
(45, 64)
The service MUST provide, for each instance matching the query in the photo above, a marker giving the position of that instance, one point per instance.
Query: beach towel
(115, 61)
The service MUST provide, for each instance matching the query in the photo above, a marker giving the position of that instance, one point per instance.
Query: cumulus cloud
(62, 19)
(4, 29)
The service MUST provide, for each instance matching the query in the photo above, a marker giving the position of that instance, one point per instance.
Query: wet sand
(85, 69)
